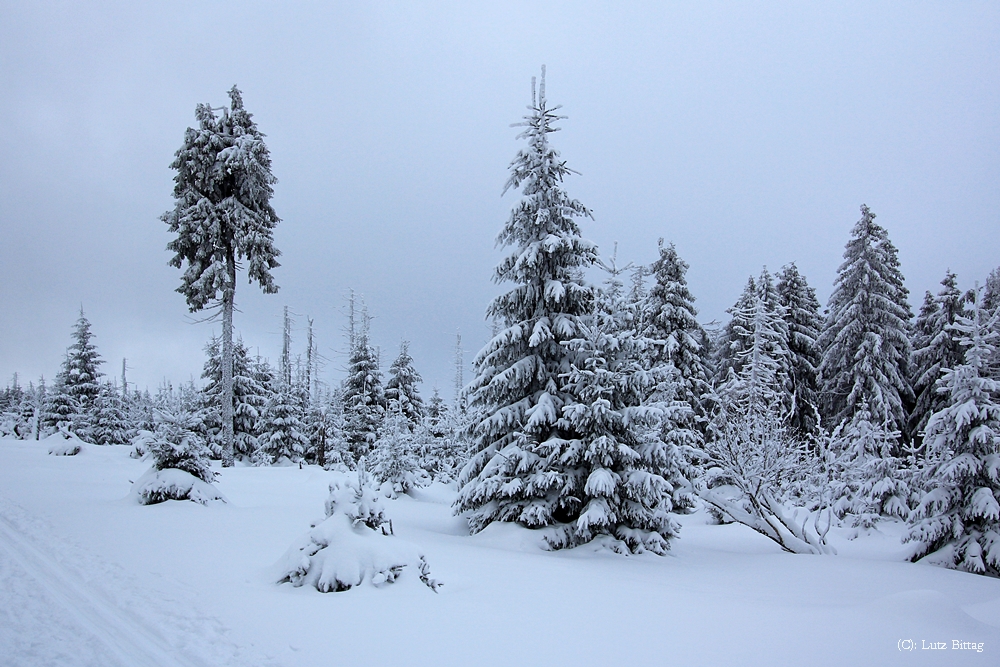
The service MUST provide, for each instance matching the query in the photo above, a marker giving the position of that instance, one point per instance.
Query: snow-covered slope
(89, 577)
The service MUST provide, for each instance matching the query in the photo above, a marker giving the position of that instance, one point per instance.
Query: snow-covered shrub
(181, 467)
(65, 443)
(156, 486)
(752, 460)
(352, 545)
(753, 457)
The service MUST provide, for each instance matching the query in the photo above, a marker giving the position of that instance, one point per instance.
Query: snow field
(89, 577)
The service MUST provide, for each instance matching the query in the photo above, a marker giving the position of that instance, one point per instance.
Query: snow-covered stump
(352, 545)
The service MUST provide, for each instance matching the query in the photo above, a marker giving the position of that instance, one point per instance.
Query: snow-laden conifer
(80, 377)
(394, 459)
(250, 397)
(401, 389)
(111, 423)
(621, 474)
(521, 433)
(283, 435)
(865, 343)
(935, 348)
(181, 462)
(800, 310)
(364, 397)
(222, 217)
(669, 321)
(325, 428)
(737, 339)
(959, 516)
(60, 410)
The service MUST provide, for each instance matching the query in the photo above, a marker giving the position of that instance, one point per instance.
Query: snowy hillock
(65, 443)
(352, 545)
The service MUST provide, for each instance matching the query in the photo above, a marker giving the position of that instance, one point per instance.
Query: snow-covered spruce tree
(283, 436)
(60, 410)
(867, 480)
(401, 390)
(26, 415)
(959, 516)
(111, 424)
(737, 338)
(250, 397)
(223, 216)
(800, 310)
(619, 470)
(353, 544)
(934, 349)
(364, 397)
(441, 440)
(669, 321)
(325, 428)
(521, 434)
(181, 468)
(80, 377)
(394, 460)
(865, 343)
(752, 454)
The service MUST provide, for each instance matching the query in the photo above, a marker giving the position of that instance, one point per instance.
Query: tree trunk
(228, 297)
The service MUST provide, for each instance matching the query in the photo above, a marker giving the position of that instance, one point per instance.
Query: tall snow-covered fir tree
(800, 310)
(935, 348)
(222, 217)
(516, 472)
(80, 377)
(737, 340)
(624, 476)
(111, 423)
(959, 516)
(364, 397)
(401, 390)
(865, 342)
(283, 435)
(669, 321)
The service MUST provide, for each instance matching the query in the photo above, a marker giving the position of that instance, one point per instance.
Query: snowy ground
(87, 577)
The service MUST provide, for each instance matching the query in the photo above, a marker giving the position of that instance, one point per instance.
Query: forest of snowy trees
(601, 407)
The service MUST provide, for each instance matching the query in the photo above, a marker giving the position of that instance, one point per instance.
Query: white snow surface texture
(88, 577)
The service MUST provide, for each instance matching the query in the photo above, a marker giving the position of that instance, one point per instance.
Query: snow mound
(64, 443)
(352, 545)
(157, 486)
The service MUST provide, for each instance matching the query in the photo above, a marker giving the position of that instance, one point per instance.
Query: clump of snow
(353, 544)
(65, 443)
(157, 486)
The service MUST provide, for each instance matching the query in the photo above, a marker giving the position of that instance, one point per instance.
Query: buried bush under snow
(353, 544)
(157, 486)
(65, 443)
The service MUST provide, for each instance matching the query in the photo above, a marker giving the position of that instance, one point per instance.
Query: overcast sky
(747, 133)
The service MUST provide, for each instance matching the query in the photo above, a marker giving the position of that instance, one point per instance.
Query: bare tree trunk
(228, 297)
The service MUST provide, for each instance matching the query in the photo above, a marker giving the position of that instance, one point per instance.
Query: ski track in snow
(81, 624)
